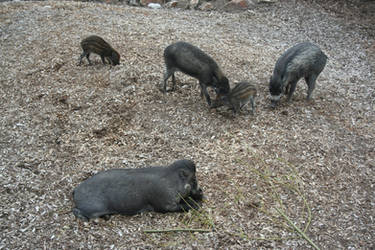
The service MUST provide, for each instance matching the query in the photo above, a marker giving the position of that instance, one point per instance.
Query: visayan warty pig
(131, 191)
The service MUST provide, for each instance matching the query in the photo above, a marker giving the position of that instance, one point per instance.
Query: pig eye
(184, 174)
(275, 91)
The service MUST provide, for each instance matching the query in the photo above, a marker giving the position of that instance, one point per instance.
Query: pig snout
(275, 100)
(197, 194)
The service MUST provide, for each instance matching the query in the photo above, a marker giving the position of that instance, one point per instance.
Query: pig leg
(103, 59)
(80, 215)
(173, 81)
(217, 103)
(106, 217)
(252, 105)
(193, 201)
(251, 101)
(109, 60)
(204, 90)
(189, 203)
(236, 106)
(310, 80)
(82, 56)
(171, 203)
(88, 58)
(287, 89)
(293, 85)
(165, 205)
(183, 205)
(92, 210)
(168, 73)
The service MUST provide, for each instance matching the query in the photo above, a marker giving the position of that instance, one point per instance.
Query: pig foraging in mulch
(97, 45)
(242, 94)
(187, 58)
(302, 60)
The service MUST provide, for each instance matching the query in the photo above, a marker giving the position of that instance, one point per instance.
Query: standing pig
(97, 45)
(239, 96)
(184, 57)
(303, 60)
(131, 191)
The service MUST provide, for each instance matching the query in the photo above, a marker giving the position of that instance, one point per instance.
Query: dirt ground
(60, 123)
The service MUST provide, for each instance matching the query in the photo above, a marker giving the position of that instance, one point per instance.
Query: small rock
(193, 4)
(154, 5)
(237, 5)
(267, 1)
(171, 4)
(134, 2)
(147, 2)
(207, 6)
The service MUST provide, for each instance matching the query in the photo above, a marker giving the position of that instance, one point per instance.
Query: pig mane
(285, 59)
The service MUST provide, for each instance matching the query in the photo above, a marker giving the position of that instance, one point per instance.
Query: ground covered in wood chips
(61, 123)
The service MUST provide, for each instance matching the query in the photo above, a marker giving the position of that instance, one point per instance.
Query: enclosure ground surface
(61, 123)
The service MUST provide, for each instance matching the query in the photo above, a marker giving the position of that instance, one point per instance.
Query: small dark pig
(97, 45)
(131, 191)
(239, 96)
(302, 60)
(184, 57)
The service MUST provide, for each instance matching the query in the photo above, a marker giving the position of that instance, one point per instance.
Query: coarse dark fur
(243, 93)
(97, 45)
(302, 60)
(184, 57)
(131, 191)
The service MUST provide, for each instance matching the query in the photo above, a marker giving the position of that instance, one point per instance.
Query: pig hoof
(167, 90)
(105, 217)
(273, 105)
(79, 215)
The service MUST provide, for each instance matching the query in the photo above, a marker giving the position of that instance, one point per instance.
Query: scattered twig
(297, 228)
(276, 197)
(274, 238)
(299, 193)
(177, 230)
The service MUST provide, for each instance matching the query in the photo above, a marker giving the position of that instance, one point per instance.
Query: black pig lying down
(131, 191)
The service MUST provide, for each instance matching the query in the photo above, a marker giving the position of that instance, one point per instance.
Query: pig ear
(184, 174)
